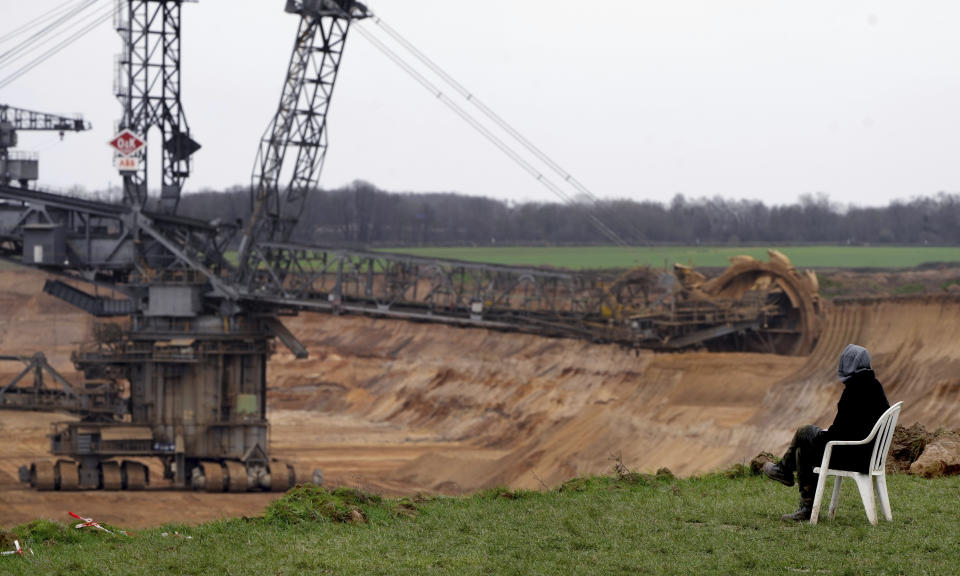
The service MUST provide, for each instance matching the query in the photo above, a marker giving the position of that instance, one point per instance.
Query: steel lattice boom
(28, 120)
(766, 306)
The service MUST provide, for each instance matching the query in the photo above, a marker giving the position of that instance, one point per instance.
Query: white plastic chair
(875, 480)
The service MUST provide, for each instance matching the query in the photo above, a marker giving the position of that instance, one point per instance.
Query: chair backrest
(883, 431)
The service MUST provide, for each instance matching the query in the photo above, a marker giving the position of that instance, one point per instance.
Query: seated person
(861, 405)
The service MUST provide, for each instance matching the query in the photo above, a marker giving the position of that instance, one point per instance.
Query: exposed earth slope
(405, 407)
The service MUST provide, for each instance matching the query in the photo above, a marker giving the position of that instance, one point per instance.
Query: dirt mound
(906, 446)
(940, 457)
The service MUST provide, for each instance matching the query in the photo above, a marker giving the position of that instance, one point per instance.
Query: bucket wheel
(794, 322)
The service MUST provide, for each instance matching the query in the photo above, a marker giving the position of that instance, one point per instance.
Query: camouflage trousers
(803, 455)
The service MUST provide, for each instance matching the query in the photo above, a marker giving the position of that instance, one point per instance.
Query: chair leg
(835, 499)
(818, 496)
(865, 484)
(880, 484)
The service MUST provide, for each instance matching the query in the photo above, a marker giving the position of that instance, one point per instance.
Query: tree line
(361, 214)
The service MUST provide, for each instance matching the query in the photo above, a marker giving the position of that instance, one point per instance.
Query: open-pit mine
(401, 407)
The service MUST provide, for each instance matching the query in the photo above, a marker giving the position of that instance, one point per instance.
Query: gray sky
(759, 99)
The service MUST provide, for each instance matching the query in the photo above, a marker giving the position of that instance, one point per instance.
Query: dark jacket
(861, 405)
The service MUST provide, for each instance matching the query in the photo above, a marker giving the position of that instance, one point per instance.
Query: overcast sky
(758, 99)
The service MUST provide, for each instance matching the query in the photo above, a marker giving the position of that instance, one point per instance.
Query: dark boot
(802, 514)
(778, 472)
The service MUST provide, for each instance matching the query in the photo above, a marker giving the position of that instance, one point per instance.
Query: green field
(596, 257)
(602, 257)
(629, 524)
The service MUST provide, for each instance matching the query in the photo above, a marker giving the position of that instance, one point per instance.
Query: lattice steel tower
(299, 126)
(148, 87)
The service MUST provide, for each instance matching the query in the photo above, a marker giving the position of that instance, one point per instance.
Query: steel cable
(488, 112)
(609, 233)
(103, 17)
(48, 30)
(27, 26)
(490, 136)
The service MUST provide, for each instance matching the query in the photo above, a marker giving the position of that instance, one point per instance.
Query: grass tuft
(310, 503)
(738, 471)
(48, 532)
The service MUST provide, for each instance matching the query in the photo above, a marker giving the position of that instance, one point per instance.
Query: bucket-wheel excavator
(177, 370)
(196, 330)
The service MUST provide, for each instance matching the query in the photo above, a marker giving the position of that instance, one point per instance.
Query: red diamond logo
(127, 143)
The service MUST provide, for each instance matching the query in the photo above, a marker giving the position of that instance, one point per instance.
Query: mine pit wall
(519, 409)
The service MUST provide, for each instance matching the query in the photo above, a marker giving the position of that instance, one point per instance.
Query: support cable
(489, 135)
(488, 112)
(45, 32)
(103, 17)
(24, 28)
(483, 130)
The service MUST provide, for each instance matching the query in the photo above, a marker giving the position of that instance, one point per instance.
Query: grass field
(595, 257)
(601, 257)
(630, 524)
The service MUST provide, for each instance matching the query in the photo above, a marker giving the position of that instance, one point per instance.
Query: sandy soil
(404, 407)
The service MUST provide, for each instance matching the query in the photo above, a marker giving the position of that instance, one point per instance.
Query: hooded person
(862, 403)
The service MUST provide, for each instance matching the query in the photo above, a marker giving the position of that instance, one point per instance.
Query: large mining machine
(192, 352)
(177, 370)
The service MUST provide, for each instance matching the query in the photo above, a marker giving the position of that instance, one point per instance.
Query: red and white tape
(18, 550)
(91, 523)
(88, 523)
